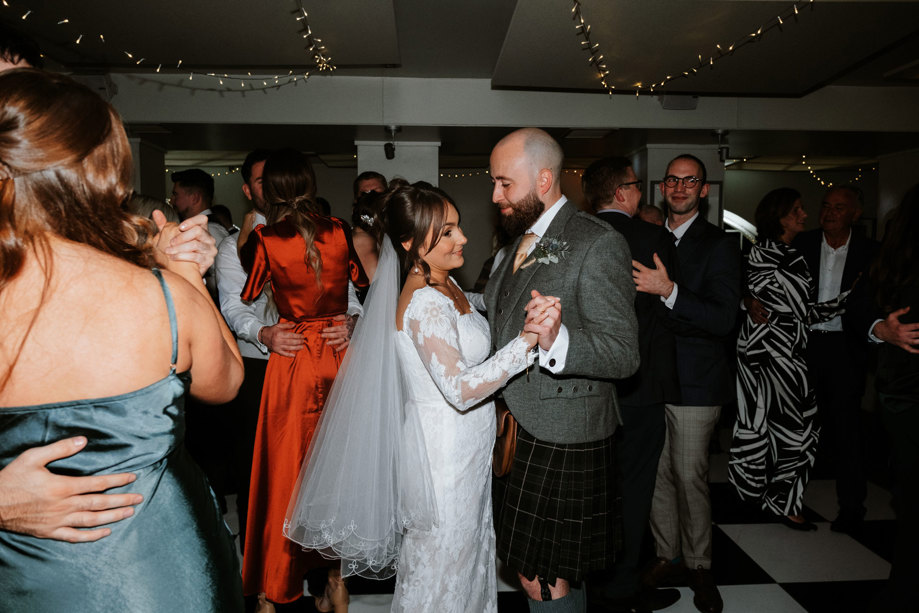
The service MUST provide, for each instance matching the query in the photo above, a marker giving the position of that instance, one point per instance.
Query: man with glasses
(702, 309)
(613, 190)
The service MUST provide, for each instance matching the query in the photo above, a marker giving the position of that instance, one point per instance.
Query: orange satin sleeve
(260, 272)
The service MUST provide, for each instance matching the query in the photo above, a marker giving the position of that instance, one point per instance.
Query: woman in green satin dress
(99, 348)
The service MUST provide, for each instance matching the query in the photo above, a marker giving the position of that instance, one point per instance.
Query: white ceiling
(525, 44)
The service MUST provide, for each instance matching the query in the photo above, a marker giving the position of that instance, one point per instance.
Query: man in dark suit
(554, 511)
(837, 350)
(702, 309)
(614, 191)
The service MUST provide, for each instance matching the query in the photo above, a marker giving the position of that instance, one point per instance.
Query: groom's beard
(525, 213)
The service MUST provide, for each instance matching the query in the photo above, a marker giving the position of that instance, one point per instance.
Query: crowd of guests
(608, 337)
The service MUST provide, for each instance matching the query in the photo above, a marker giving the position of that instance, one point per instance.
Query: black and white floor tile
(759, 565)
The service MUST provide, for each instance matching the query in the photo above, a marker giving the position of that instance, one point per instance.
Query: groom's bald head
(530, 156)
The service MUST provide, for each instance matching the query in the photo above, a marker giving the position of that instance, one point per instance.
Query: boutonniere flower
(547, 251)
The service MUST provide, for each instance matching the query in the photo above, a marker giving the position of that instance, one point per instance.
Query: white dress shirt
(245, 320)
(670, 300)
(832, 264)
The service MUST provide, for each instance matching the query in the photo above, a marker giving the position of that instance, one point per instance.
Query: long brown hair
(289, 187)
(65, 169)
(410, 212)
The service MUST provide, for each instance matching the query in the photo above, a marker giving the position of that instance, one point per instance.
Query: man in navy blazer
(613, 190)
(702, 309)
(837, 350)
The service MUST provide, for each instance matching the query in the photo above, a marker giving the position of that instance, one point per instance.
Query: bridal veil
(366, 479)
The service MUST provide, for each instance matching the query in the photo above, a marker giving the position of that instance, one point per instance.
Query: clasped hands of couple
(543, 320)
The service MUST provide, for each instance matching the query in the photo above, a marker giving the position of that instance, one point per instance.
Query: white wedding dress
(446, 379)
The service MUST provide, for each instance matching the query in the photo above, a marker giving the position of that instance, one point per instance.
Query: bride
(399, 476)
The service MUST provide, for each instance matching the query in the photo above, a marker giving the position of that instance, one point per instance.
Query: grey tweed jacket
(597, 295)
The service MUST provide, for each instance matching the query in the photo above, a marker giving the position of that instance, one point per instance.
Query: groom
(554, 512)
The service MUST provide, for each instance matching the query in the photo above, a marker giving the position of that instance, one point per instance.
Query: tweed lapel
(514, 290)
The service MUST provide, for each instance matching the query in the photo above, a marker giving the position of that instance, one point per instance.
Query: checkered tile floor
(760, 566)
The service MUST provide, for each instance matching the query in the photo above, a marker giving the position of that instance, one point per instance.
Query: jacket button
(552, 362)
(575, 388)
(500, 311)
(590, 388)
(559, 390)
(506, 293)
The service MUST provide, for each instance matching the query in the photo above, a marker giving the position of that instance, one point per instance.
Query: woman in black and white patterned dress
(775, 437)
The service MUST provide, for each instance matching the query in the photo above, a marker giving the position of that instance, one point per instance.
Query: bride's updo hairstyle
(410, 212)
(65, 168)
(289, 188)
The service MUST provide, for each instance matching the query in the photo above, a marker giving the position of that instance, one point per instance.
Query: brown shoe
(663, 572)
(707, 598)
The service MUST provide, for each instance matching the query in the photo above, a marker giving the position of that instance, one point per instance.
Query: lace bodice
(448, 377)
(452, 348)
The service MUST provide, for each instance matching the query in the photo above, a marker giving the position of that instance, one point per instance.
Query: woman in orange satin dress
(308, 260)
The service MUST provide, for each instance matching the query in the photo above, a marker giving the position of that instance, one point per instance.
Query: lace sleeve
(431, 323)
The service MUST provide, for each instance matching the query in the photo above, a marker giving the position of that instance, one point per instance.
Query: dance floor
(760, 566)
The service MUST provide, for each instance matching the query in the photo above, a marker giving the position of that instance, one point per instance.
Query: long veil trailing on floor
(366, 479)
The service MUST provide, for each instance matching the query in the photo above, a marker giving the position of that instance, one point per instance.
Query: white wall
(380, 101)
(743, 190)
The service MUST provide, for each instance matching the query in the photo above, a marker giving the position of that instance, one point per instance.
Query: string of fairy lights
(231, 171)
(468, 174)
(703, 60)
(214, 81)
(826, 183)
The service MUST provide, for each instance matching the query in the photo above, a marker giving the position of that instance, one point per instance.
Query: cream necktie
(523, 249)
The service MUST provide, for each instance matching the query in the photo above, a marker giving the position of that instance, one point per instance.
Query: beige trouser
(681, 511)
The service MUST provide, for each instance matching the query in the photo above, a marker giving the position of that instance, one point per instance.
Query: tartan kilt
(557, 513)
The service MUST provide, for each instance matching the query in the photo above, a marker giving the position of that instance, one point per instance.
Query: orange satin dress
(295, 389)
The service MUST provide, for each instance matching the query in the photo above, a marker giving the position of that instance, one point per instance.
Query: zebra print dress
(775, 437)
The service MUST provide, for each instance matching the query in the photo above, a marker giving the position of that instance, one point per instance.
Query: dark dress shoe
(707, 598)
(803, 526)
(662, 572)
(655, 600)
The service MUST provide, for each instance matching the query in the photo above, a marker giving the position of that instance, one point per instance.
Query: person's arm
(713, 308)
(430, 322)
(192, 244)
(242, 318)
(37, 502)
(476, 300)
(604, 344)
(216, 366)
(339, 336)
(891, 330)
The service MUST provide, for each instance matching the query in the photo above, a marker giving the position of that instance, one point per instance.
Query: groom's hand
(544, 318)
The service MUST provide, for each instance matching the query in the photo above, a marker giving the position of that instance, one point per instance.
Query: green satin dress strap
(174, 554)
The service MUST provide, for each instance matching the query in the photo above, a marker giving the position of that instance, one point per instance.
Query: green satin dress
(174, 554)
